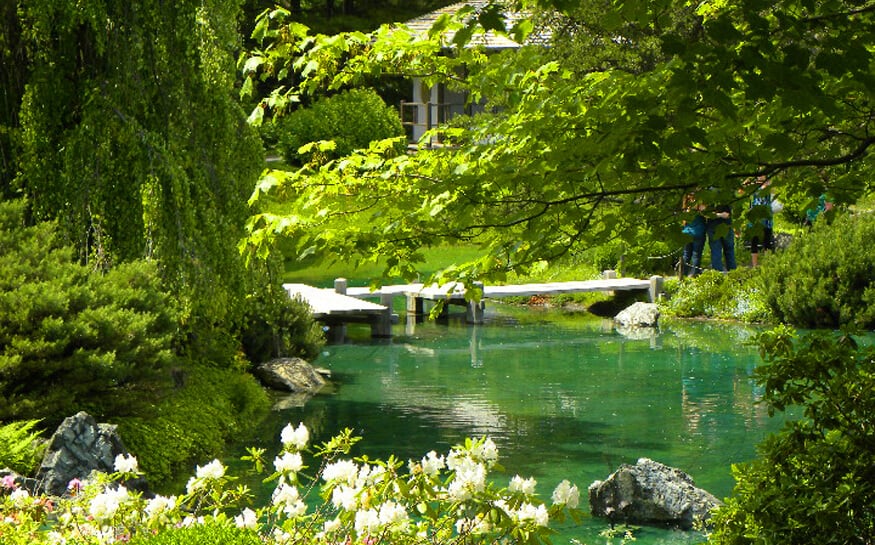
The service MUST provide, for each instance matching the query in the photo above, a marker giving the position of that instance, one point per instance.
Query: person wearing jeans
(692, 257)
(720, 242)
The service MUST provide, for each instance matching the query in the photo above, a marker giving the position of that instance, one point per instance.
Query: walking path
(343, 304)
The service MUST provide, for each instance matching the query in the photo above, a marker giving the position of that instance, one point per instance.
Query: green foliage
(71, 338)
(814, 481)
(194, 421)
(280, 326)
(565, 158)
(209, 533)
(21, 447)
(352, 120)
(824, 279)
(737, 295)
(132, 140)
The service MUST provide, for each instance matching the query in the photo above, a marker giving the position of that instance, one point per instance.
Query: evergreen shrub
(72, 338)
(824, 279)
(352, 119)
(814, 481)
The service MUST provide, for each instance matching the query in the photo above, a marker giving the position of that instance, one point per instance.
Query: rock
(290, 374)
(651, 493)
(639, 315)
(78, 447)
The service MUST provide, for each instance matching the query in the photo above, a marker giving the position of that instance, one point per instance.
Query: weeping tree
(132, 139)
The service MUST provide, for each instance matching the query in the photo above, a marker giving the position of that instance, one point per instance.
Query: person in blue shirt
(763, 236)
(691, 261)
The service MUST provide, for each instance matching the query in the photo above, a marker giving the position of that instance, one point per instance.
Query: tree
(131, 138)
(571, 158)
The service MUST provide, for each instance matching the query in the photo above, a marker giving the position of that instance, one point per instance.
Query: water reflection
(561, 397)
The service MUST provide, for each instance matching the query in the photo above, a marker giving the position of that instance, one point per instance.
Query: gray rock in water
(78, 447)
(639, 315)
(290, 374)
(651, 493)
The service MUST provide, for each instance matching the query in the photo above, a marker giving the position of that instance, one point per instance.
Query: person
(763, 235)
(691, 260)
(811, 214)
(692, 256)
(721, 240)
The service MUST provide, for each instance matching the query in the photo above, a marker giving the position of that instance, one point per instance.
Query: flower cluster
(440, 498)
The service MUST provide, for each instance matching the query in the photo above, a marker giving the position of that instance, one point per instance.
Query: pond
(562, 395)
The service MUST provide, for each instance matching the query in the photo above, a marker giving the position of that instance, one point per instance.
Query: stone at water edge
(290, 374)
(651, 493)
(639, 315)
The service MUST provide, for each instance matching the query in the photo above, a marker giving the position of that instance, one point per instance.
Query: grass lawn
(323, 275)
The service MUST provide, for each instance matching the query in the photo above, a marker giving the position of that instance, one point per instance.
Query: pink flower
(8, 481)
(74, 486)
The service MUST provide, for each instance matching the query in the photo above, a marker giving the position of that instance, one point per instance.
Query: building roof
(490, 40)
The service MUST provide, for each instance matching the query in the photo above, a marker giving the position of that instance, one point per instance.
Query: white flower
(295, 437)
(246, 519)
(345, 497)
(391, 513)
(367, 522)
(341, 471)
(289, 499)
(528, 512)
(212, 471)
(191, 521)
(526, 486)
(370, 475)
(566, 494)
(126, 464)
(469, 478)
(432, 464)
(160, 504)
(331, 526)
(486, 452)
(105, 505)
(20, 497)
(290, 462)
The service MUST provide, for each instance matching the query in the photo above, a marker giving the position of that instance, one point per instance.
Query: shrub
(279, 326)
(193, 421)
(21, 448)
(71, 338)
(352, 119)
(824, 279)
(437, 499)
(737, 295)
(814, 481)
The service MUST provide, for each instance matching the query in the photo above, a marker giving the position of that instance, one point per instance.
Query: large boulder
(638, 315)
(291, 375)
(651, 493)
(78, 447)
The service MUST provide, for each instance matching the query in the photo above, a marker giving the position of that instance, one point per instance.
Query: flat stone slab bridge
(343, 304)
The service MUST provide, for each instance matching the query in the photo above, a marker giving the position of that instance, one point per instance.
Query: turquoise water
(563, 396)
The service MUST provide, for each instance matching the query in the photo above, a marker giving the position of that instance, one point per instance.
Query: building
(431, 107)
